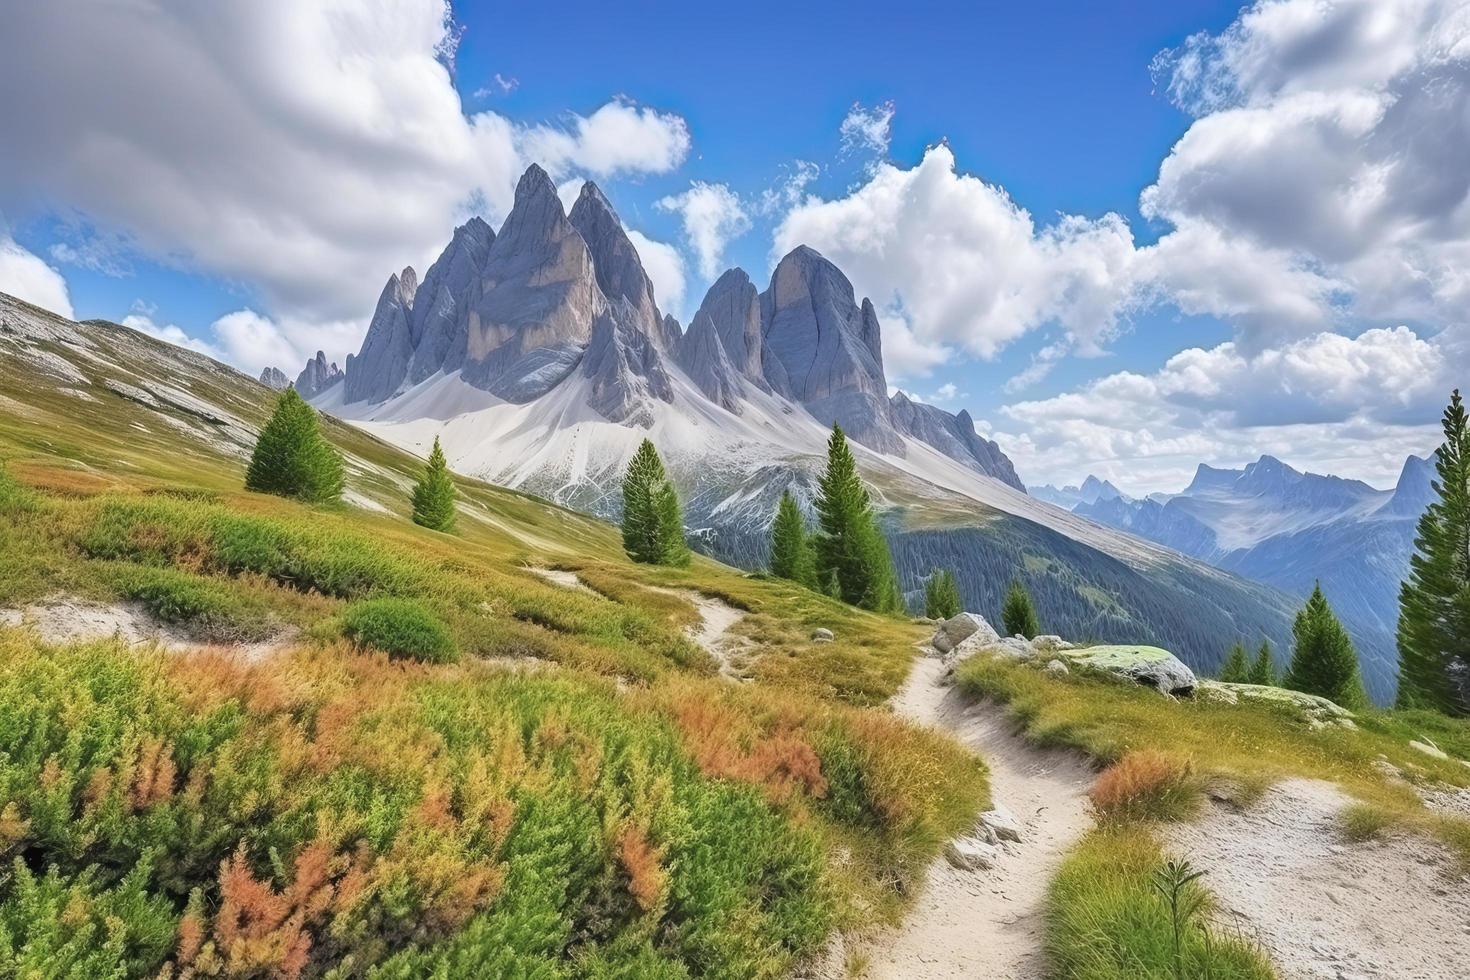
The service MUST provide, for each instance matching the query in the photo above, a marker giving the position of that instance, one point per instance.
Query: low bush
(209, 608)
(399, 628)
(1146, 785)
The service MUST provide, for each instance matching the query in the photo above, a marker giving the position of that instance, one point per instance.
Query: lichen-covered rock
(1055, 668)
(822, 635)
(1310, 704)
(1048, 643)
(1150, 666)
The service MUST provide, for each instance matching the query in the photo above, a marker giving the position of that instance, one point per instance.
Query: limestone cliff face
(552, 296)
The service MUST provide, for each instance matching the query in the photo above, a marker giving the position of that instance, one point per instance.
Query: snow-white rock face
(275, 379)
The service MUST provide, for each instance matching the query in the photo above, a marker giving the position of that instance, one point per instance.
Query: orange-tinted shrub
(1146, 785)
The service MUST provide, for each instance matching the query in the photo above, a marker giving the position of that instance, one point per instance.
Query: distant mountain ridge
(1280, 526)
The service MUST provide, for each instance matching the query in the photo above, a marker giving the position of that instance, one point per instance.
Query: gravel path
(1324, 907)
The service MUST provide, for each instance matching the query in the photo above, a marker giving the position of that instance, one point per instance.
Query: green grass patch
(1106, 920)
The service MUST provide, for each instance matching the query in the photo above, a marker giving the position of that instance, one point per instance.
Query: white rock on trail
(1002, 824)
(957, 629)
(969, 854)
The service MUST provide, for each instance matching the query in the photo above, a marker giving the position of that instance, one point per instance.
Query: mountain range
(1277, 525)
(538, 354)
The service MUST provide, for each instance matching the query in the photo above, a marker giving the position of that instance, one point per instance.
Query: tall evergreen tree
(1236, 669)
(433, 494)
(791, 549)
(850, 549)
(292, 458)
(1018, 615)
(653, 527)
(1323, 661)
(1434, 603)
(1262, 671)
(941, 595)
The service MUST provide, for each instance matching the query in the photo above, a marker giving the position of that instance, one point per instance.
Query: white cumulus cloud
(712, 215)
(26, 276)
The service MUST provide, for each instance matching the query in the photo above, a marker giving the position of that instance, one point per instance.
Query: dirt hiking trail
(987, 923)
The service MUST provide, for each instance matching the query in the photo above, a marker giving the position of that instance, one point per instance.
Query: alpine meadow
(517, 492)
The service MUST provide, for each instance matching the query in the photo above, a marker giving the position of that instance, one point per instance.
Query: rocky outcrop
(703, 357)
(438, 327)
(953, 435)
(538, 287)
(379, 369)
(618, 269)
(1149, 666)
(318, 376)
(820, 347)
(958, 629)
(275, 379)
(732, 309)
(625, 370)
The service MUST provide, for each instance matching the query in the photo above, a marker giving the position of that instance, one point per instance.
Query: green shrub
(291, 457)
(209, 608)
(399, 628)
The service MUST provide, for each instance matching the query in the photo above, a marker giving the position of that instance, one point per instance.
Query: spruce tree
(1323, 661)
(1434, 603)
(291, 457)
(1018, 615)
(433, 494)
(850, 549)
(1236, 669)
(941, 595)
(653, 528)
(791, 550)
(1263, 671)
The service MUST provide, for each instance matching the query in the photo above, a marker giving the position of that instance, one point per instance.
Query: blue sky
(244, 179)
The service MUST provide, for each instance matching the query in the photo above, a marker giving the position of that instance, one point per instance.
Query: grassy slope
(621, 813)
(1105, 919)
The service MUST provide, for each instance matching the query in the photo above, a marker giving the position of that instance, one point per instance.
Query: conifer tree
(1018, 615)
(291, 457)
(1236, 669)
(1434, 603)
(941, 595)
(433, 494)
(791, 549)
(653, 528)
(1323, 661)
(850, 549)
(1263, 671)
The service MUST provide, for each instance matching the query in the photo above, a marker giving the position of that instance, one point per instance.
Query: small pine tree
(1236, 669)
(1323, 661)
(941, 595)
(653, 528)
(1018, 615)
(850, 549)
(791, 550)
(291, 457)
(433, 494)
(1434, 603)
(1263, 670)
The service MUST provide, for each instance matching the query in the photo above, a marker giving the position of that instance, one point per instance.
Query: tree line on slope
(848, 557)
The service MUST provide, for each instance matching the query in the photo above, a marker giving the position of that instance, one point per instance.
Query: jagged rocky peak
(275, 379)
(1093, 490)
(619, 270)
(318, 376)
(732, 309)
(954, 436)
(380, 367)
(1415, 489)
(820, 348)
(703, 357)
(538, 287)
(441, 305)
